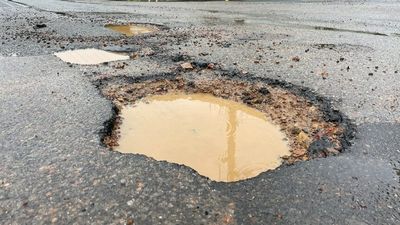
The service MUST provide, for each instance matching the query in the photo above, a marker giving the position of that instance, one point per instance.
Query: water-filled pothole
(89, 56)
(157, 121)
(221, 139)
(131, 29)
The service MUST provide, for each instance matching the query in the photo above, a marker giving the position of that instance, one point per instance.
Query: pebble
(130, 203)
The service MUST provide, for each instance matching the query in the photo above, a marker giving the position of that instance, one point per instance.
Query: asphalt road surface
(55, 170)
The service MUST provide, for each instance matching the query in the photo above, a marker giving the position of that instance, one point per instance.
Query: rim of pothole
(313, 127)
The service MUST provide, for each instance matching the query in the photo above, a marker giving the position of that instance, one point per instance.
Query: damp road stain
(89, 56)
(220, 139)
(130, 30)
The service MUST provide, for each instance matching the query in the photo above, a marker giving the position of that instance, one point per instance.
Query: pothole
(227, 130)
(131, 29)
(90, 56)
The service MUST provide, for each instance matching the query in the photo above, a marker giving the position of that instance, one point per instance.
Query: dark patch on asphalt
(212, 11)
(121, 49)
(398, 173)
(61, 13)
(180, 58)
(239, 21)
(320, 148)
(343, 47)
(108, 125)
(20, 3)
(348, 30)
(39, 26)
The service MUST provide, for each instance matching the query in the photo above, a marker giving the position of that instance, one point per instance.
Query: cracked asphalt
(55, 170)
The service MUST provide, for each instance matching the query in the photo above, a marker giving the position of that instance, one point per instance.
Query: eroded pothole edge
(314, 131)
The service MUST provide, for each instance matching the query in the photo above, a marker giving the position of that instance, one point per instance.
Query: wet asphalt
(55, 170)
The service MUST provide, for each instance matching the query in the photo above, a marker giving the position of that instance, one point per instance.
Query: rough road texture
(54, 168)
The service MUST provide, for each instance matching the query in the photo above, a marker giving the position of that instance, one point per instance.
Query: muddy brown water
(130, 30)
(221, 139)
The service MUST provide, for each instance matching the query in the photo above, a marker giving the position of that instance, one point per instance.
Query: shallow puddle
(89, 56)
(221, 139)
(130, 30)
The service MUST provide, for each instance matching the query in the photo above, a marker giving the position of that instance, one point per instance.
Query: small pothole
(266, 125)
(90, 56)
(130, 30)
